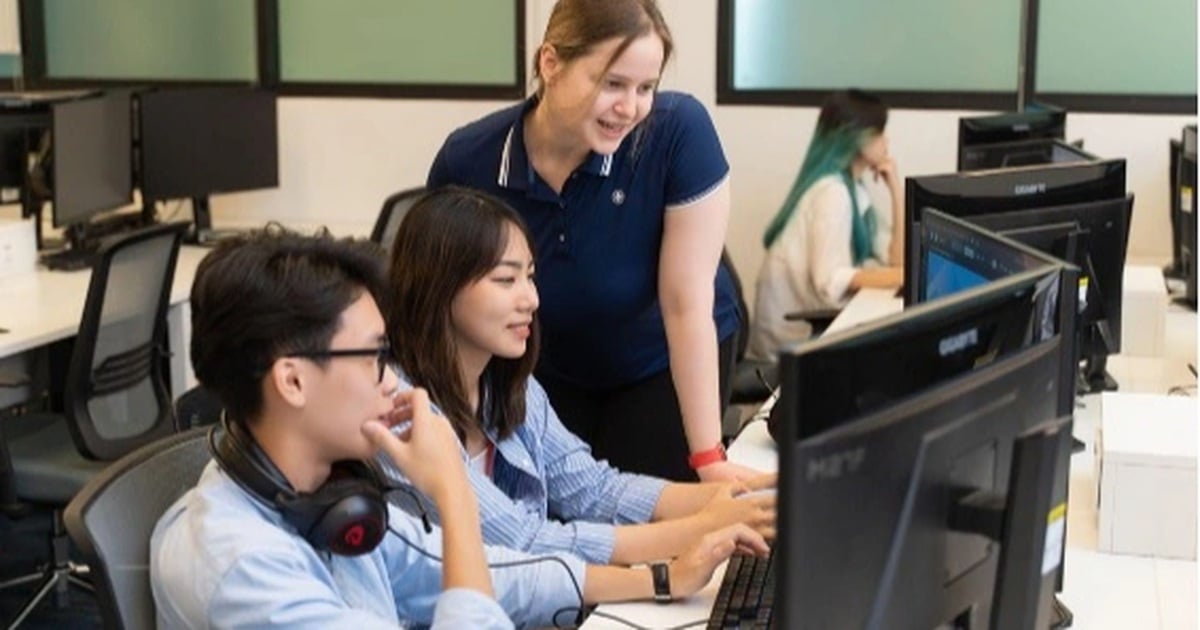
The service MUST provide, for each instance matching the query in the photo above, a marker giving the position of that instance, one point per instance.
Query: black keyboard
(747, 595)
(69, 259)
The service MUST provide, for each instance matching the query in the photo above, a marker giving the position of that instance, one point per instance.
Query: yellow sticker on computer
(1056, 530)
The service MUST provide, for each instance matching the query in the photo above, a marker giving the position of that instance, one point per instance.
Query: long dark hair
(848, 119)
(451, 238)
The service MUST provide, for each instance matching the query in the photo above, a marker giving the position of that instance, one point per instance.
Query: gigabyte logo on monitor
(1035, 188)
(957, 343)
(835, 465)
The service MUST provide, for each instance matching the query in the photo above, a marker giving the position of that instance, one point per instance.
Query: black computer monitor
(14, 153)
(1036, 122)
(1185, 192)
(196, 142)
(1174, 269)
(946, 508)
(1101, 241)
(956, 255)
(864, 369)
(91, 158)
(985, 192)
(1022, 153)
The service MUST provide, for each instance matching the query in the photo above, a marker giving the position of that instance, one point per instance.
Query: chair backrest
(392, 213)
(116, 397)
(198, 406)
(743, 310)
(112, 517)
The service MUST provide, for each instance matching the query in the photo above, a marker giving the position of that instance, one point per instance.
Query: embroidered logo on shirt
(618, 197)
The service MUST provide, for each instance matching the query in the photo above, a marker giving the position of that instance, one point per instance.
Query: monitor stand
(1094, 377)
(1061, 616)
(202, 229)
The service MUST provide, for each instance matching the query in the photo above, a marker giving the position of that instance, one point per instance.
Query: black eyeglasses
(382, 354)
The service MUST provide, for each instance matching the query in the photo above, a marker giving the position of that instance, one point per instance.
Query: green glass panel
(456, 42)
(151, 39)
(1117, 46)
(935, 45)
(10, 65)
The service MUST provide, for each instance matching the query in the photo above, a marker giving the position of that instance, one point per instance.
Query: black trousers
(637, 427)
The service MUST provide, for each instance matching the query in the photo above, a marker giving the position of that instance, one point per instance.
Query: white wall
(339, 158)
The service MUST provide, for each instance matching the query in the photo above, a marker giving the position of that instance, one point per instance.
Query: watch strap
(662, 582)
(704, 458)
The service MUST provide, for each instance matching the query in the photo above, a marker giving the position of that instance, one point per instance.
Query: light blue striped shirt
(223, 559)
(547, 493)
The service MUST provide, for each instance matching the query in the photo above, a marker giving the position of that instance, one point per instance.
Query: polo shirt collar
(515, 170)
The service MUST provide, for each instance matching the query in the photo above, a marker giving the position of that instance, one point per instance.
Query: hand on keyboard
(694, 568)
(751, 503)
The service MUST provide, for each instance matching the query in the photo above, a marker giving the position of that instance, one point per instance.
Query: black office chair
(115, 395)
(197, 407)
(112, 517)
(818, 319)
(752, 380)
(392, 213)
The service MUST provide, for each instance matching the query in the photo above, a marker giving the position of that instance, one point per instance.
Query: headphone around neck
(347, 515)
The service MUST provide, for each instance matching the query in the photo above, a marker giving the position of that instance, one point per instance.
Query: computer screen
(983, 192)
(1021, 153)
(841, 376)
(944, 509)
(14, 153)
(1037, 122)
(1185, 194)
(956, 256)
(196, 142)
(1101, 241)
(91, 155)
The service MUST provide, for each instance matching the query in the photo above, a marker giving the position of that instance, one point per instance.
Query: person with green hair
(827, 240)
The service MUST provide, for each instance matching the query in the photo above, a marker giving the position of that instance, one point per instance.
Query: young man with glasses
(287, 527)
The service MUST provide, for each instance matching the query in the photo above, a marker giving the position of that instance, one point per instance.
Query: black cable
(578, 610)
(1192, 369)
(690, 624)
(1182, 390)
(426, 525)
(762, 379)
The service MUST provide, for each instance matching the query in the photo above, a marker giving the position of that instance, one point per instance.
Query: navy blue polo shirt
(597, 243)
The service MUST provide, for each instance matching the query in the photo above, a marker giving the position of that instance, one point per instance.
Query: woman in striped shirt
(462, 322)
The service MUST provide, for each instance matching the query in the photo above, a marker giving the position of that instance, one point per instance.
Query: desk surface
(46, 306)
(1103, 590)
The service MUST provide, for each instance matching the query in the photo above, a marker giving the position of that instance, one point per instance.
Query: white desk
(46, 306)
(1104, 591)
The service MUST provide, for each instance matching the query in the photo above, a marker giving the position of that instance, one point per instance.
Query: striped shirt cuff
(594, 542)
(637, 502)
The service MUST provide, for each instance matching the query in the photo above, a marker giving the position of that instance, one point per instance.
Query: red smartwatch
(713, 455)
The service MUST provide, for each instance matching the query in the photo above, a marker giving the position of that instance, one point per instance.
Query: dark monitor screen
(956, 256)
(203, 141)
(1186, 182)
(1037, 122)
(92, 163)
(1021, 153)
(983, 192)
(841, 376)
(14, 155)
(1102, 238)
(894, 519)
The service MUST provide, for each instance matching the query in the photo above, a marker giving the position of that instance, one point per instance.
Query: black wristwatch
(662, 582)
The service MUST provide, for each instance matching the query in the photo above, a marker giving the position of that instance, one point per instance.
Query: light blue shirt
(221, 558)
(547, 493)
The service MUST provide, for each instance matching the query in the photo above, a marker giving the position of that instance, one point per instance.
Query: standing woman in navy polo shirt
(625, 190)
